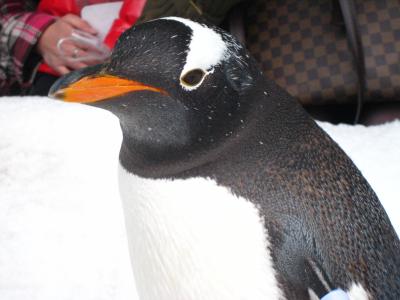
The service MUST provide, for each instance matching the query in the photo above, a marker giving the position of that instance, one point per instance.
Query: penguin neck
(275, 123)
(138, 163)
(272, 120)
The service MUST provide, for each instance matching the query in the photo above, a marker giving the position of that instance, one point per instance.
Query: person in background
(31, 32)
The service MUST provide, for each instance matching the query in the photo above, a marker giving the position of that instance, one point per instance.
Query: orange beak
(100, 87)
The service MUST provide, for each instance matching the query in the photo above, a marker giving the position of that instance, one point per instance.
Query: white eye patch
(206, 50)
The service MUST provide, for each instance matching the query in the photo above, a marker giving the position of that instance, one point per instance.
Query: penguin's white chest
(194, 240)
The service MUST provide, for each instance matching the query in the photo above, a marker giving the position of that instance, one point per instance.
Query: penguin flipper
(316, 278)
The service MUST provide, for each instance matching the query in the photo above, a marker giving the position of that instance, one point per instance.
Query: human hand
(63, 28)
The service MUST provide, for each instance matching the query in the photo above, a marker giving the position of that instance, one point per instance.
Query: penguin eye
(193, 77)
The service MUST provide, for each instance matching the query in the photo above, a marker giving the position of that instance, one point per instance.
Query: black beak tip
(66, 80)
(55, 89)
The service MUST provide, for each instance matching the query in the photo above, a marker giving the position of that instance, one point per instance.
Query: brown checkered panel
(304, 49)
(380, 28)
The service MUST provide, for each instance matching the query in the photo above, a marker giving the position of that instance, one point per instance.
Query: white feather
(357, 292)
(194, 240)
(206, 49)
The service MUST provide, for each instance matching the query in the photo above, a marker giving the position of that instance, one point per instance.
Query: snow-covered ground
(62, 233)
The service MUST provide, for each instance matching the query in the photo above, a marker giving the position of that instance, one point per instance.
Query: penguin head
(179, 88)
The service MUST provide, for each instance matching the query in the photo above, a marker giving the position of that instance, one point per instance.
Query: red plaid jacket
(20, 29)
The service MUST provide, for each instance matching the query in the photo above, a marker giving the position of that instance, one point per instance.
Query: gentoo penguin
(230, 190)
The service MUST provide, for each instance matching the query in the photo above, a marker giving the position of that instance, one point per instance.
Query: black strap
(349, 14)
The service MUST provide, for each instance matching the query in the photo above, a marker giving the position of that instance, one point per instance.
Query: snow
(62, 232)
